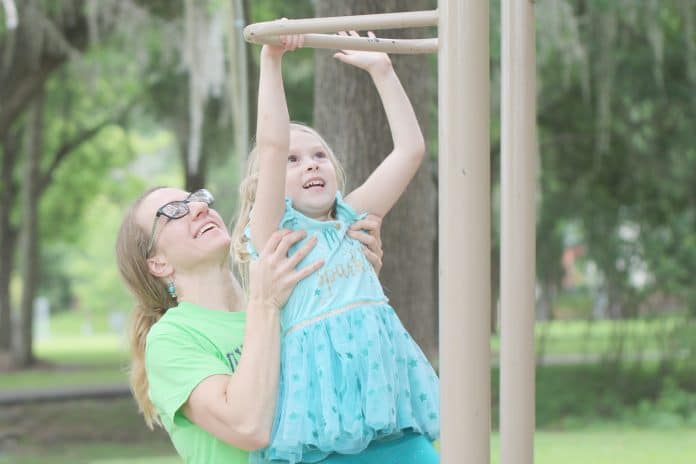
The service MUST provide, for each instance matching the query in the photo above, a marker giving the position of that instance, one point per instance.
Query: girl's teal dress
(351, 376)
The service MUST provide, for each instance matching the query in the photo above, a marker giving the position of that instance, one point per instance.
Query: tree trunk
(192, 180)
(8, 236)
(348, 112)
(195, 181)
(23, 351)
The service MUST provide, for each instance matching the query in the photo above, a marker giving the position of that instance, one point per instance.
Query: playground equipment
(464, 205)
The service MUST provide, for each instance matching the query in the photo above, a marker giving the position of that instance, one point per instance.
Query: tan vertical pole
(464, 230)
(518, 100)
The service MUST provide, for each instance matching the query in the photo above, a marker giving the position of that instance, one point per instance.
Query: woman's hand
(372, 62)
(273, 275)
(368, 232)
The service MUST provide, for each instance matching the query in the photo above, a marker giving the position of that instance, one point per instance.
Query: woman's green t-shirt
(187, 345)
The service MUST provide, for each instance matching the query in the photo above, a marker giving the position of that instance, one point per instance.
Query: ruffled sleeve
(288, 221)
(345, 212)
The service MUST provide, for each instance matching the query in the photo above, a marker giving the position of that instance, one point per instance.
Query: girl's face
(189, 241)
(310, 180)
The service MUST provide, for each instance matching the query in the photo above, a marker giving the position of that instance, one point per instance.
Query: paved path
(57, 394)
(10, 397)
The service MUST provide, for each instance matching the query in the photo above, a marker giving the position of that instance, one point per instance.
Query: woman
(189, 371)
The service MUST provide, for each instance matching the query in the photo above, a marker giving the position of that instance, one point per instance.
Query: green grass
(99, 359)
(647, 419)
(97, 453)
(102, 358)
(102, 348)
(69, 357)
(596, 446)
(611, 446)
(82, 377)
(80, 431)
(598, 338)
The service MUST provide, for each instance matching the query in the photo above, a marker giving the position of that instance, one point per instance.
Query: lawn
(111, 431)
(102, 358)
(596, 446)
(99, 359)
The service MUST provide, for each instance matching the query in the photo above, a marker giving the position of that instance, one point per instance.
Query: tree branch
(18, 96)
(82, 137)
(28, 71)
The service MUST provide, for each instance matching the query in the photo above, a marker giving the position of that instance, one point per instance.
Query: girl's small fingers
(342, 33)
(371, 34)
(354, 34)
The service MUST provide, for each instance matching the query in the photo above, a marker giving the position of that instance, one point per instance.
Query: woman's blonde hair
(152, 301)
(247, 197)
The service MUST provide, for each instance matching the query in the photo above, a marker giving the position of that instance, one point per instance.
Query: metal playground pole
(464, 231)
(518, 233)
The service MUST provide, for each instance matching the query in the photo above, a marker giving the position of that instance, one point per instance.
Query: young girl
(352, 379)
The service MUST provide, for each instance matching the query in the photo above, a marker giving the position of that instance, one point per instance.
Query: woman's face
(310, 179)
(190, 241)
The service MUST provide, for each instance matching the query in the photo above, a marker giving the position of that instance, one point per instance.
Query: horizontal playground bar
(316, 29)
(402, 46)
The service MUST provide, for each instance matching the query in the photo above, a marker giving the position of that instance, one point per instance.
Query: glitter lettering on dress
(354, 266)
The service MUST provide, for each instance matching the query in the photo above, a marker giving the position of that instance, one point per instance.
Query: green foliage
(83, 96)
(674, 407)
(640, 395)
(298, 68)
(617, 145)
(90, 262)
(94, 275)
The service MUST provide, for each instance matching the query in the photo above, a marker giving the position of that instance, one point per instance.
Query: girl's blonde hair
(152, 297)
(247, 197)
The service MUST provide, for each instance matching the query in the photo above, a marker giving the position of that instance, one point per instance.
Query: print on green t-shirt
(233, 357)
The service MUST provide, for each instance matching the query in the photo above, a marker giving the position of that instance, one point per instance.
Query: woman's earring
(171, 289)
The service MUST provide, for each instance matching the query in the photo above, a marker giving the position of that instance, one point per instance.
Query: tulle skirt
(347, 380)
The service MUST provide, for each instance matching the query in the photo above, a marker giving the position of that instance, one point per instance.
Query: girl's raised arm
(386, 184)
(272, 142)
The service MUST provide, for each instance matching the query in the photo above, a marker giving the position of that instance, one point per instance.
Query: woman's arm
(239, 408)
(387, 183)
(272, 142)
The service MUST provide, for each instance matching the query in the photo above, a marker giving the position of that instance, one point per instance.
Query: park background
(101, 99)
